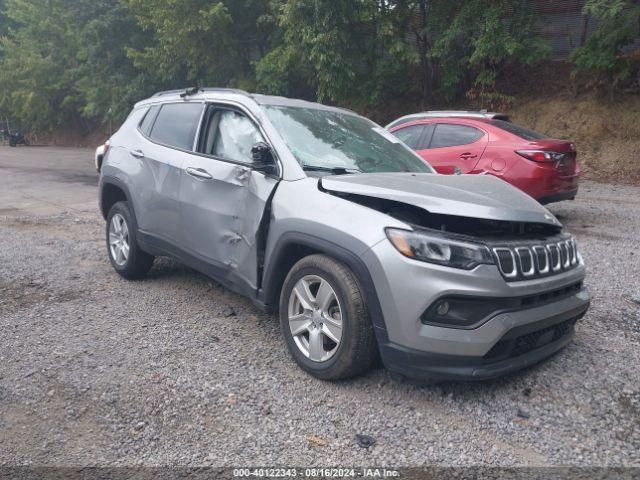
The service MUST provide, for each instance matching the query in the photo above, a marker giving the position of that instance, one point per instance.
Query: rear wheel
(324, 319)
(124, 253)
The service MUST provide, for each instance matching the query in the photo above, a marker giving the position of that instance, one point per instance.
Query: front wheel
(124, 253)
(325, 321)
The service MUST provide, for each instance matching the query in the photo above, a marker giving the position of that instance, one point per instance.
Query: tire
(325, 359)
(136, 263)
(12, 143)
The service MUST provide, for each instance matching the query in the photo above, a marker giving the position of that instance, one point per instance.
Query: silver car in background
(321, 215)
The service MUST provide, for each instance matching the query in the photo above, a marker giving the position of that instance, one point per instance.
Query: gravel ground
(175, 369)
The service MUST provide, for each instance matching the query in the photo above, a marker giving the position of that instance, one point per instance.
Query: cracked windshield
(336, 142)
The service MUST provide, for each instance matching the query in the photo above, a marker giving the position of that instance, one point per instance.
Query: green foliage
(40, 62)
(4, 21)
(618, 27)
(85, 62)
(108, 82)
(65, 62)
(476, 39)
(347, 52)
(200, 40)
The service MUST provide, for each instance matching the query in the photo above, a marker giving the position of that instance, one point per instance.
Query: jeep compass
(360, 246)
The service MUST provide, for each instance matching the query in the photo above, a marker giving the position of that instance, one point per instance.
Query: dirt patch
(18, 295)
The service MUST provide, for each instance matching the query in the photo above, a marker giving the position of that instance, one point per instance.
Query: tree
(40, 63)
(366, 52)
(348, 52)
(4, 21)
(84, 62)
(108, 81)
(65, 63)
(475, 39)
(200, 41)
(605, 50)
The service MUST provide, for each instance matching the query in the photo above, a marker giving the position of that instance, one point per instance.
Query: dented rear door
(223, 201)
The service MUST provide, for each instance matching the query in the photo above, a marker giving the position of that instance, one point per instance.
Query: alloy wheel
(315, 318)
(119, 239)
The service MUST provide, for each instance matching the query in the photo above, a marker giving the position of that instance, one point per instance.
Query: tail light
(540, 155)
(106, 148)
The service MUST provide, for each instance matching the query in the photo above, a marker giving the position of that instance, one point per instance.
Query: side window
(147, 121)
(410, 135)
(176, 124)
(229, 135)
(449, 135)
(416, 136)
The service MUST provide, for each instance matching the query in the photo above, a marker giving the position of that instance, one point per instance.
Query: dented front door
(223, 202)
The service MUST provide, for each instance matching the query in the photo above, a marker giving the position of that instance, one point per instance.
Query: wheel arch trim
(116, 182)
(271, 284)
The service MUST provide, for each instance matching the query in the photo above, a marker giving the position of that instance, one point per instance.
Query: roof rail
(447, 113)
(194, 90)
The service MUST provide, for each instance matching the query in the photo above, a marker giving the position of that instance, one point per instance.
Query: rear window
(176, 125)
(521, 132)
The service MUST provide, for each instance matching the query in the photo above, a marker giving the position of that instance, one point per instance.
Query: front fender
(274, 274)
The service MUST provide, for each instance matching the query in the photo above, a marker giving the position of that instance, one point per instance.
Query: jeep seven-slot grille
(523, 262)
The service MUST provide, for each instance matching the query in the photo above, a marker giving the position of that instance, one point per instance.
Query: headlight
(433, 248)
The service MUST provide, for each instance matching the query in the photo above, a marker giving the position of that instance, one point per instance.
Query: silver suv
(324, 216)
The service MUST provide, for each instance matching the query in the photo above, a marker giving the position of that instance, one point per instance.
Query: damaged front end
(464, 222)
(487, 283)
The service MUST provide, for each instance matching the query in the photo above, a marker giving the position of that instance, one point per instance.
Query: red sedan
(488, 143)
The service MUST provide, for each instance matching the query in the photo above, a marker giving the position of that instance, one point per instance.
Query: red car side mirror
(448, 170)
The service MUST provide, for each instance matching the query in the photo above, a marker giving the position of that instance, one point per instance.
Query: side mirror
(262, 157)
(448, 170)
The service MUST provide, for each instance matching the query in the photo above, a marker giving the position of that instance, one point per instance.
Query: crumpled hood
(479, 196)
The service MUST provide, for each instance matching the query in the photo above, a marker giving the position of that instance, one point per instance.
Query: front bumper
(406, 288)
(518, 348)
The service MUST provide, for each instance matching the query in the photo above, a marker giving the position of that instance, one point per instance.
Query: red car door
(455, 145)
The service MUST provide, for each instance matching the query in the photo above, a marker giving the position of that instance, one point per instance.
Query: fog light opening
(443, 308)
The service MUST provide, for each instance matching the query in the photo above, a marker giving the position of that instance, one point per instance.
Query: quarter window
(176, 124)
(147, 121)
(449, 135)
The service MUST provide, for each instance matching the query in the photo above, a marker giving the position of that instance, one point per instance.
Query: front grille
(514, 347)
(523, 262)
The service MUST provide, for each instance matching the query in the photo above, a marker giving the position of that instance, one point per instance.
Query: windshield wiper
(332, 170)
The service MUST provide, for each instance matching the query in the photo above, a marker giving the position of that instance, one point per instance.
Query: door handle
(467, 155)
(199, 173)
(137, 153)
